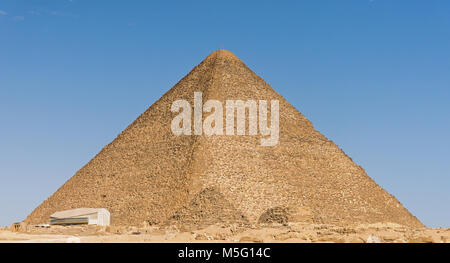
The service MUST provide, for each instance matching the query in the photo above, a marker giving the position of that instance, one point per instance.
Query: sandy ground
(292, 232)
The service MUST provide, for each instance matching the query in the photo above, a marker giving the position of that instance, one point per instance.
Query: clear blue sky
(373, 76)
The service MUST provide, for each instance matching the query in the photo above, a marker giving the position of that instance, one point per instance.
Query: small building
(81, 216)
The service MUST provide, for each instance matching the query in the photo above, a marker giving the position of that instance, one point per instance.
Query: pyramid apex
(224, 54)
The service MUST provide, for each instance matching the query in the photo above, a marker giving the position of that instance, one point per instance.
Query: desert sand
(284, 233)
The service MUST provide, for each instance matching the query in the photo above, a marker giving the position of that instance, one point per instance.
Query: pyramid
(148, 174)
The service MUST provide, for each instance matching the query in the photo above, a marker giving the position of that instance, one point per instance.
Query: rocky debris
(292, 232)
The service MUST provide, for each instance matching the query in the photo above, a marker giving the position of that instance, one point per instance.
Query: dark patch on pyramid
(148, 174)
(275, 215)
(208, 207)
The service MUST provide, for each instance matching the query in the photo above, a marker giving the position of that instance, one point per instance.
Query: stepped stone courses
(147, 174)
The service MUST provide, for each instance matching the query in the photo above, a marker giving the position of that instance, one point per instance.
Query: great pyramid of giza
(148, 174)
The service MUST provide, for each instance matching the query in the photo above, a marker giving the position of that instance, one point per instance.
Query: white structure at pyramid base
(81, 216)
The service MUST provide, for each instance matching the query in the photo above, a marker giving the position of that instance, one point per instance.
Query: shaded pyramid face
(148, 174)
